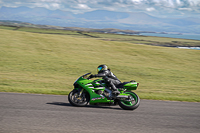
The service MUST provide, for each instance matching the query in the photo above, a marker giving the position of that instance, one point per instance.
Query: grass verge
(50, 63)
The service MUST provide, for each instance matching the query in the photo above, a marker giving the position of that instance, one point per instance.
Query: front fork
(80, 92)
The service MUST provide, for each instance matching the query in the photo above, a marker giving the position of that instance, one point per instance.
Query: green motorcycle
(96, 91)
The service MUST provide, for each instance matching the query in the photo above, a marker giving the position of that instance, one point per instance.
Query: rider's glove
(91, 76)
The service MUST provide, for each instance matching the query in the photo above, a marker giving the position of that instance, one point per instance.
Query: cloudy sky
(161, 8)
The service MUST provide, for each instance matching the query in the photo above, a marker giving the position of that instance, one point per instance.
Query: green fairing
(96, 91)
(94, 98)
(131, 86)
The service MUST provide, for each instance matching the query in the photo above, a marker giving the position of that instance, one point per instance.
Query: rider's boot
(114, 89)
(116, 92)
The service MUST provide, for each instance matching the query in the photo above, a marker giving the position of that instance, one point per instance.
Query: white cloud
(54, 1)
(178, 2)
(82, 6)
(150, 9)
(55, 5)
(137, 1)
(185, 9)
(79, 6)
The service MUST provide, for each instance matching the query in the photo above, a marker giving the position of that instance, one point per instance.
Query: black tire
(75, 100)
(130, 105)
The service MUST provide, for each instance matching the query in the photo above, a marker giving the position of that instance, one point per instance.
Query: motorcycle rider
(108, 76)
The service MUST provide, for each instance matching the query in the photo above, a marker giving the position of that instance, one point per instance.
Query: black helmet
(100, 68)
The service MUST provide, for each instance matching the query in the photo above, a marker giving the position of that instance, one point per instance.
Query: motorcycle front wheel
(78, 100)
(132, 103)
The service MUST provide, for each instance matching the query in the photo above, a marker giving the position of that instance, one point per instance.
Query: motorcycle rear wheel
(77, 100)
(132, 104)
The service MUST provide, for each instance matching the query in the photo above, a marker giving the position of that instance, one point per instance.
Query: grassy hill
(102, 34)
(50, 63)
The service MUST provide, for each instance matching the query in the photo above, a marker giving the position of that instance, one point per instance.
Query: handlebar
(84, 76)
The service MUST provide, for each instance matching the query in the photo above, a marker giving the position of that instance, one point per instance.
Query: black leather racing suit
(109, 78)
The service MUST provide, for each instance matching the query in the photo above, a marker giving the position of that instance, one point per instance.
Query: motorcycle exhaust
(120, 96)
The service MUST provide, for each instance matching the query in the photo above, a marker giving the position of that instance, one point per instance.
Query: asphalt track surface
(29, 113)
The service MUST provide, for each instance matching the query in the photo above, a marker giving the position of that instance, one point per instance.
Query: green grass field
(50, 63)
